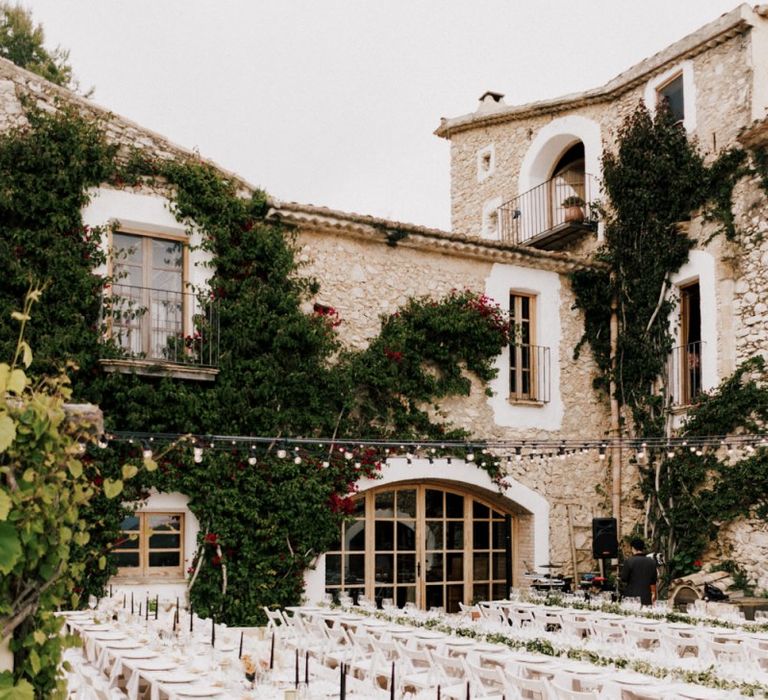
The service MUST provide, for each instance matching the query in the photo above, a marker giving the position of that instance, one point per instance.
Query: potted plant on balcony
(574, 214)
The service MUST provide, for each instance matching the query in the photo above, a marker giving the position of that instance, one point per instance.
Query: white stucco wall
(147, 212)
(546, 287)
(167, 590)
(701, 266)
(550, 143)
(689, 92)
(463, 475)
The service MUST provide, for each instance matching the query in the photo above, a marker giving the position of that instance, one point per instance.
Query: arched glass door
(423, 544)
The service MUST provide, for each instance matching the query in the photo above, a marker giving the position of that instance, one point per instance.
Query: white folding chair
(561, 693)
(527, 688)
(487, 681)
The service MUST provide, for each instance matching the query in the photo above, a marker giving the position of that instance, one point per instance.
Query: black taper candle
(139, 609)
(110, 590)
(392, 683)
(123, 601)
(131, 603)
(191, 616)
(296, 679)
(343, 682)
(240, 651)
(438, 692)
(306, 668)
(157, 606)
(467, 690)
(177, 608)
(213, 631)
(146, 609)
(272, 653)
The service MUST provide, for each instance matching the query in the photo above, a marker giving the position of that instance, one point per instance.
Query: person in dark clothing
(638, 574)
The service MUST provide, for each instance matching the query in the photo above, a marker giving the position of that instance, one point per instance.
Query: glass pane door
(421, 544)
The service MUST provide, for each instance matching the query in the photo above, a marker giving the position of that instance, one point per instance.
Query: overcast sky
(334, 102)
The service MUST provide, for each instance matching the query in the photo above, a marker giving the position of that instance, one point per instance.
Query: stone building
(513, 171)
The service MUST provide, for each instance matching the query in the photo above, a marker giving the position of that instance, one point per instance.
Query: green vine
(655, 180)
(282, 371)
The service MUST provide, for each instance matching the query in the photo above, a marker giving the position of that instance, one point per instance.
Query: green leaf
(129, 471)
(34, 662)
(17, 381)
(7, 432)
(75, 468)
(39, 637)
(5, 505)
(149, 464)
(102, 562)
(26, 353)
(10, 548)
(21, 691)
(112, 488)
(82, 538)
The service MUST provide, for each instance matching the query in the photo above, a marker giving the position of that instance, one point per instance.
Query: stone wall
(723, 84)
(364, 279)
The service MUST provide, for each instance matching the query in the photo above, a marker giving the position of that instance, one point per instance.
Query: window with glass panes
(148, 307)
(522, 380)
(415, 544)
(490, 530)
(671, 93)
(151, 544)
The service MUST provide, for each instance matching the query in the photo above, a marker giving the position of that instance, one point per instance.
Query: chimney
(490, 101)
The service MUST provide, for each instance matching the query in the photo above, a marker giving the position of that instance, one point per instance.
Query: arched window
(568, 182)
(423, 544)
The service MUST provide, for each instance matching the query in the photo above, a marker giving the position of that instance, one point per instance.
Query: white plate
(431, 635)
(95, 628)
(178, 677)
(198, 691)
(139, 654)
(123, 644)
(108, 636)
(460, 642)
(156, 664)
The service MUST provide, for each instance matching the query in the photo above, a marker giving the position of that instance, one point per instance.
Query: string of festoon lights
(481, 452)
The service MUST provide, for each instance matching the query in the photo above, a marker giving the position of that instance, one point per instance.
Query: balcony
(538, 218)
(161, 332)
(684, 378)
(529, 373)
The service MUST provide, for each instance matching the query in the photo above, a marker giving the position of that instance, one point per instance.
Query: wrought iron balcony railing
(529, 370)
(684, 379)
(166, 326)
(539, 216)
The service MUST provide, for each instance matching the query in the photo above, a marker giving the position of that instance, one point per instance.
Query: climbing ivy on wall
(655, 180)
(283, 371)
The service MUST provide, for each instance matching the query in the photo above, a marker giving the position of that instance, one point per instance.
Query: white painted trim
(689, 92)
(175, 502)
(463, 475)
(546, 287)
(550, 143)
(701, 265)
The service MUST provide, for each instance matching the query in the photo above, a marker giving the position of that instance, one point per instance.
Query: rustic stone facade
(723, 103)
(370, 267)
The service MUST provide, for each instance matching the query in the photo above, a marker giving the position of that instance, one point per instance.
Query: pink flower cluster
(328, 313)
